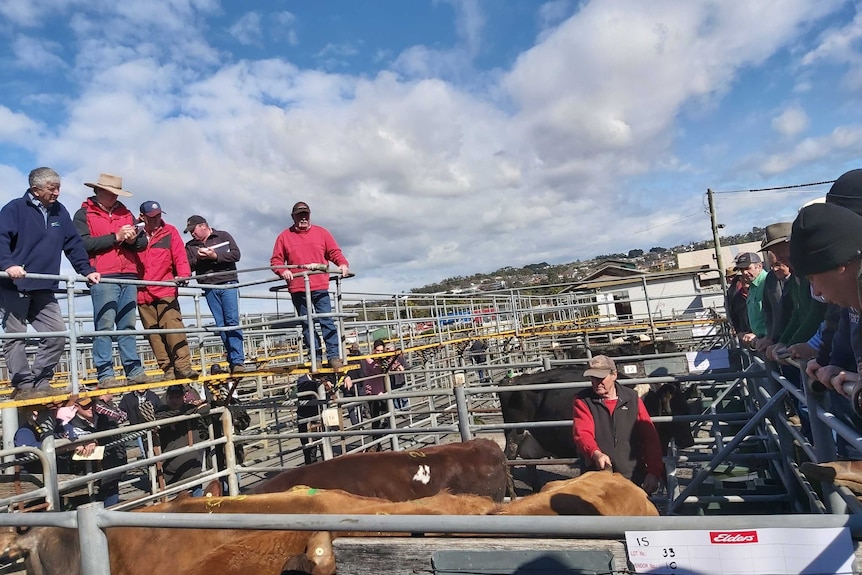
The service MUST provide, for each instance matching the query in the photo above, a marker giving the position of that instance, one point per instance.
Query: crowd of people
(106, 241)
(803, 304)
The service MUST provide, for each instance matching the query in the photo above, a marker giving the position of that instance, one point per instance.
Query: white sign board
(771, 551)
(701, 361)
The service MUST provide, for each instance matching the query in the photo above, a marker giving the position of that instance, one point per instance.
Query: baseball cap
(600, 366)
(746, 259)
(151, 208)
(300, 208)
(193, 221)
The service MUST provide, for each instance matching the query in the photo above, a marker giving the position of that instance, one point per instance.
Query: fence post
(229, 452)
(50, 479)
(463, 413)
(95, 559)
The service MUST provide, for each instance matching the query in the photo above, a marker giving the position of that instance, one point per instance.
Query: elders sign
(741, 552)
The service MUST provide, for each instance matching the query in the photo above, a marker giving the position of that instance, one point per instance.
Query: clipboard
(97, 455)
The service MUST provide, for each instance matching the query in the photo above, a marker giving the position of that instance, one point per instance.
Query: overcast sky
(438, 138)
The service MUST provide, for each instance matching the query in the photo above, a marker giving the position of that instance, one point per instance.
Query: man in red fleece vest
(613, 430)
(112, 241)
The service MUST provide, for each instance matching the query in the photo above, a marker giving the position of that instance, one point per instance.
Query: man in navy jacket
(34, 230)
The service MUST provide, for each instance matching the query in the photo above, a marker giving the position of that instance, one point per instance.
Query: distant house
(627, 294)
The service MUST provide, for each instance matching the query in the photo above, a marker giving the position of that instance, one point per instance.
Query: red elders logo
(733, 536)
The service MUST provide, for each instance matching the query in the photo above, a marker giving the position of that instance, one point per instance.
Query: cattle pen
(742, 470)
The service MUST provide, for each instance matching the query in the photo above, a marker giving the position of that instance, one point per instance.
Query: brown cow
(145, 551)
(151, 551)
(592, 493)
(477, 466)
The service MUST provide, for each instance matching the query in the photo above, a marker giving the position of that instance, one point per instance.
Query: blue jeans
(321, 303)
(224, 305)
(114, 305)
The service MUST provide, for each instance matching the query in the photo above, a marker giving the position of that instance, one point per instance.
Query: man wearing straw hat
(34, 230)
(112, 241)
(212, 256)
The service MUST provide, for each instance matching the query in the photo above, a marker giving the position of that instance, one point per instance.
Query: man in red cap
(303, 244)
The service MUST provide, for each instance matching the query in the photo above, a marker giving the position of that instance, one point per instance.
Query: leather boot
(846, 473)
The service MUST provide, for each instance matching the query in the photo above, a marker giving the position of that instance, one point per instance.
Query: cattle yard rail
(92, 519)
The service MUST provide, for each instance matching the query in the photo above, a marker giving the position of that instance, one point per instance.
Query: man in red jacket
(112, 241)
(303, 244)
(163, 260)
(613, 430)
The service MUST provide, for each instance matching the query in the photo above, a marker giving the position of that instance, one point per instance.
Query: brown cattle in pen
(477, 466)
(155, 551)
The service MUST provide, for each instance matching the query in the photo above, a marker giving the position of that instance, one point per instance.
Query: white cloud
(791, 121)
(37, 54)
(18, 128)
(553, 12)
(247, 29)
(843, 142)
(284, 26)
(469, 22)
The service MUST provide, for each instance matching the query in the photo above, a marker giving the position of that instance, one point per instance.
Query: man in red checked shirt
(613, 430)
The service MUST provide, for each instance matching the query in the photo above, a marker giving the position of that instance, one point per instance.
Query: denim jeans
(41, 310)
(114, 305)
(321, 303)
(224, 305)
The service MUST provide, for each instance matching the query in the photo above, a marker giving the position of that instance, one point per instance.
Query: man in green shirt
(750, 267)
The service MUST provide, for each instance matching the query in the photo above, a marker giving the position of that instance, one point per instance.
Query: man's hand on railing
(839, 379)
(93, 278)
(763, 344)
(16, 272)
(774, 352)
(811, 368)
(748, 340)
(802, 351)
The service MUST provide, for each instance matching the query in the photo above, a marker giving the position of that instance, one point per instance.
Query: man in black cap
(826, 247)
(213, 254)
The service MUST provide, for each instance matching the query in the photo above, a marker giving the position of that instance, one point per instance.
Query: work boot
(187, 373)
(237, 368)
(336, 363)
(846, 473)
(138, 378)
(33, 393)
(169, 375)
(108, 382)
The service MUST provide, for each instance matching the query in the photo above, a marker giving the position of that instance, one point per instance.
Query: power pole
(718, 259)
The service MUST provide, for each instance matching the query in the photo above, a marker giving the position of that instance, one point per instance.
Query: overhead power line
(776, 188)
